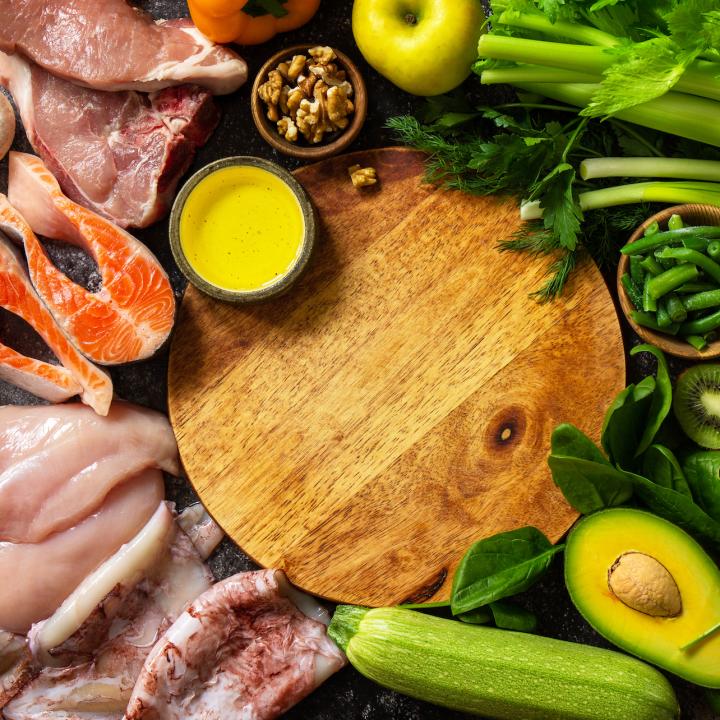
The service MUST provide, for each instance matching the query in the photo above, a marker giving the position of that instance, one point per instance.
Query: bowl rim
(667, 343)
(309, 152)
(280, 284)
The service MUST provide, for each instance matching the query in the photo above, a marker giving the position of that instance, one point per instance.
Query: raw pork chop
(35, 578)
(58, 464)
(110, 45)
(132, 314)
(241, 650)
(120, 154)
(51, 382)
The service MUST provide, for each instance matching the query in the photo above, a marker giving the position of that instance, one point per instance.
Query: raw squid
(132, 314)
(15, 666)
(241, 650)
(55, 383)
(202, 530)
(35, 578)
(100, 662)
(58, 464)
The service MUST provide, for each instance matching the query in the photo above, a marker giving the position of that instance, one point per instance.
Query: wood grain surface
(361, 431)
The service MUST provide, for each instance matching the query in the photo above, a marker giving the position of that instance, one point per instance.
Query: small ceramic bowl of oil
(242, 229)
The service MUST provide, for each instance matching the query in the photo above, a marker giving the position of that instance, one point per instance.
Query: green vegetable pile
(646, 460)
(674, 281)
(587, 75)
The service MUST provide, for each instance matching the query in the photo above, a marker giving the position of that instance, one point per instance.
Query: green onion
(593, 168)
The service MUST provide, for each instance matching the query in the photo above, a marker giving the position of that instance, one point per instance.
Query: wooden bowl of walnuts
(309, 101)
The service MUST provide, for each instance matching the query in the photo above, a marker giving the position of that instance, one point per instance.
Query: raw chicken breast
(51, 382)
(58, 464)
(36, 578)
(120, 154)
(241, 650)
(131, 316)
(110, 45)
(99, 664)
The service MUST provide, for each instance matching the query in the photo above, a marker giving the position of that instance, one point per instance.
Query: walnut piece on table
(362, 177)
(308, 97)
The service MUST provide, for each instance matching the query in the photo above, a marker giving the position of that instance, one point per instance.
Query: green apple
(425, 47)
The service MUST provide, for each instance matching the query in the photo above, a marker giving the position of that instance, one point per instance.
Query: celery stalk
(675, 113)
(534, 73)
(699, 79)
(664, 192)
(572, 31)
(645, 167)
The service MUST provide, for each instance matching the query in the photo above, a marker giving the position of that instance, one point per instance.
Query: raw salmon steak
(55, 383)
(132, 314)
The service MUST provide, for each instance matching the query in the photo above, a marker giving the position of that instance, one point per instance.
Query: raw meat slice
(113, 46)
(131, 316)
(53, 383)
(96, 669)
(241, 650)
(58, 464)
(120, 154)
(35, 578)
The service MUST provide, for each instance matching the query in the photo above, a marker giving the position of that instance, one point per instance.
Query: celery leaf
(641, 72)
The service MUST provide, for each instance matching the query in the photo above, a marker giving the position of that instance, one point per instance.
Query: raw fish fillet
(132, 314)
(110, 45)
(52, 382)
(120, 154)
(243, 649)
(58, 464)
(35, 578)
(95, 669)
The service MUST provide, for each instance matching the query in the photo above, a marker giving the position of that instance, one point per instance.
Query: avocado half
(649, 588)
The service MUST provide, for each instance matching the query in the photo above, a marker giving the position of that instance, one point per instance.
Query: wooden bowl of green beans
(669, 281)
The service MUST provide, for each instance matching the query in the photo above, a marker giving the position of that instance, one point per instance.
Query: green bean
(675, 222)
(632, 291)
(663, 317)
(669, 280)
(649, 302)
(652, 242)
(675, 308)
(651, 265)
(684, 255)
(701, 325)
(696, 287)
(636, 270)
(697, 341)
(652, 228)
(702, 300)
(698, 243)
(713, 250)
(664, 263)
(647, 320)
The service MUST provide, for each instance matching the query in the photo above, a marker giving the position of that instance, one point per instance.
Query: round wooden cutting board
(363, 430)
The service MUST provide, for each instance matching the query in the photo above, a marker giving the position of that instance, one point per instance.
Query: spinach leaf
(510, 616)
(587, 480)
(661, 466)
(480, 616)
(625, 421)
(500, 566)
(661, 398)
(677, 508)
(702, 470)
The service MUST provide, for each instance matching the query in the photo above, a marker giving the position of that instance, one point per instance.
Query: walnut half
(362, 177)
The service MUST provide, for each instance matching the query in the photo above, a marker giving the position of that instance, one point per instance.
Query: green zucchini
(498, 673)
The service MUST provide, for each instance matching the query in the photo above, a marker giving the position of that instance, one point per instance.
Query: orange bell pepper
(224, 20)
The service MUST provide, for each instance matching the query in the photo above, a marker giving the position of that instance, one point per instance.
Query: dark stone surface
(347, 696)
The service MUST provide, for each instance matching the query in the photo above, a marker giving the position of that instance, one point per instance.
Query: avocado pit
(644, 584)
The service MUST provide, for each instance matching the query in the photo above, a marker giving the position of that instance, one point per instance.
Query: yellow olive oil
(241, 228)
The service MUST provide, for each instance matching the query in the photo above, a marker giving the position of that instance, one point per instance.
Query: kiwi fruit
(697, 404)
